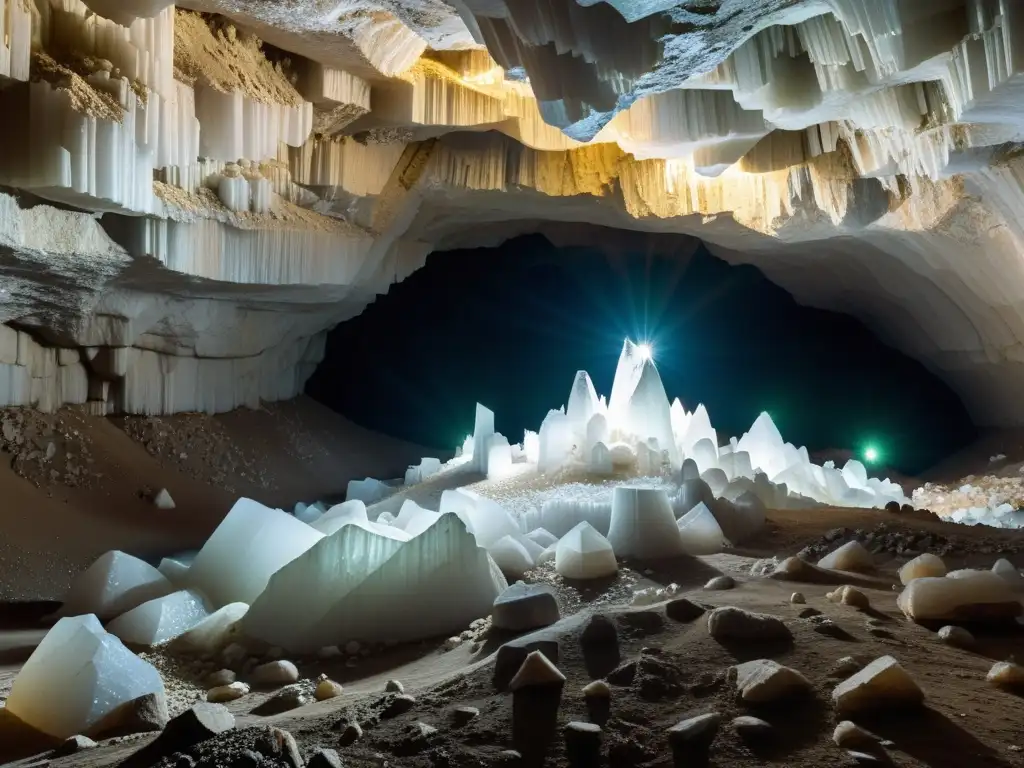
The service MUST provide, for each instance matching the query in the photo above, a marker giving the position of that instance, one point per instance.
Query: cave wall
(188, 201)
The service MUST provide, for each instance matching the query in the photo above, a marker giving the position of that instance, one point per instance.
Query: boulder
(327, 689)
(225, 693)
(851, 736)
(922, 566)
(525, 606)
(77, 677)
(764, 681)
(1006, 674)
(958, 637)
(850, 557)
(847, 595)
(720, 583)
(278, 672)
(882, 684)
(960, 596)
(730, 623)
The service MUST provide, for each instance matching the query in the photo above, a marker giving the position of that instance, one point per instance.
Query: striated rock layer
(192, 196)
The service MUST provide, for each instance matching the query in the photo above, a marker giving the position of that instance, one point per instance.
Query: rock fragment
(847, 595)
(720, 583)
(958, 637)
(922, 566)
(225, 693)
(752, 729)
(325, 758)
(852, 556)
(327, 689)
(525, 606)
(462, 715)
(582, 744)
(536, 696)
(691, 739)
(1006, 674)
(764, 681)
(849, 735)
(882, 684)
(398, 705)
(681, 609)
(278, 672)
(74, 744)
(729, 623)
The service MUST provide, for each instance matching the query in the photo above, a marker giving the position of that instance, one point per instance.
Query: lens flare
(870, 454)
(646, 353)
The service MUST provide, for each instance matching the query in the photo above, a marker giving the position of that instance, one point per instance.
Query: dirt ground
(660, 670)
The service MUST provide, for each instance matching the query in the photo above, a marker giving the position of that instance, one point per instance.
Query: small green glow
(870, 454)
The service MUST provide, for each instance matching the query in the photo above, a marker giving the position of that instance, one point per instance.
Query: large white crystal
(351, 511)
(213, 633)
(583, 404)
(484, 518)
(291, 610)
(643, 524)
(247, 548)
(160, 620)
(115, 583)
(648, 415)
(434, 585)
(556, 442)
(76, 676)
(483, 428)
(511, 556)
(763, 443)
(699, 532)
(627, 375)
(368, 490)
(583, 553)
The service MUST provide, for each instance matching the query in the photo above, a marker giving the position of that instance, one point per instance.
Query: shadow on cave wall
(510, 326)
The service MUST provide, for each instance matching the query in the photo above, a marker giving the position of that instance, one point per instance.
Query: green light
(871, 455)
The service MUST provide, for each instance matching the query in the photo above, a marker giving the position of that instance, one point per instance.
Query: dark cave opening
(510, 326)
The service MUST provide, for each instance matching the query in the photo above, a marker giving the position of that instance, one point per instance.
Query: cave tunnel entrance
(509, 326)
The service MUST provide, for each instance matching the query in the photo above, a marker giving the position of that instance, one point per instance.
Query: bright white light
(870, 454)
(645, 351)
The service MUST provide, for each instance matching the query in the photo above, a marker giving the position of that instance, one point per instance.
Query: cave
(510, 325)
(361, 361)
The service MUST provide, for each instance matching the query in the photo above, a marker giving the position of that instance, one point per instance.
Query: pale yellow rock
(847, 595)
(849, 557)
(851, 736)
(960, 596)
(536, 670)
(327, 689)
(598, 689)
(224, 693)
(220, 677)
(1006, 674)
(922, 566)
(764, 680)
(882, 684)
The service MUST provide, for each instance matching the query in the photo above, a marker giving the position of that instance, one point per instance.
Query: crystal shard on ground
(115, 583)
(290, 611)
(213, 633)
(247, 548)
(700, 533)
(643, 524)
(76, 676)
(583, 553)
(434, 585)
(157, 621)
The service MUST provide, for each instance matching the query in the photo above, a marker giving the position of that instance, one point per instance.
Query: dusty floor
(662, 671)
